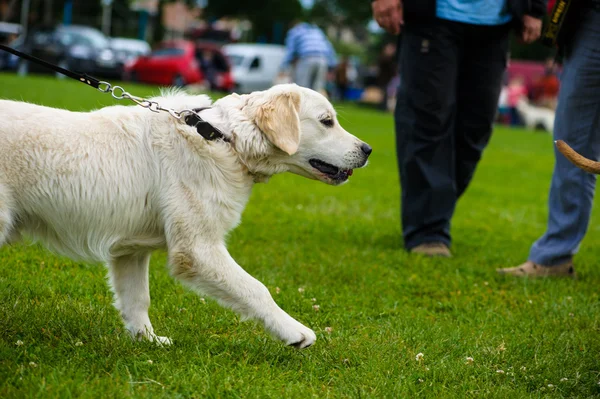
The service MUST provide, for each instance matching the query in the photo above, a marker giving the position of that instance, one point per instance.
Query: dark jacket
(425, 9)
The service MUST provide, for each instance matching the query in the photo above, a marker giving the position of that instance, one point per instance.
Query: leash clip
(107, 87)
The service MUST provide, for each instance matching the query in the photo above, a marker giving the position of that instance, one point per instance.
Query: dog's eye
(327, 122)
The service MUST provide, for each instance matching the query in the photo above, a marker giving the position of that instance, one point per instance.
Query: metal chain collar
(119, 93)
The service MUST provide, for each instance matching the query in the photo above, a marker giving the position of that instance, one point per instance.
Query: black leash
(205, 129)
(88, 80)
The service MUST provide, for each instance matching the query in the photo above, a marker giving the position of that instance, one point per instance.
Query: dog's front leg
(210, 269)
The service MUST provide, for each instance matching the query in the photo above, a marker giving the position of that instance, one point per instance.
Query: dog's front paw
(293, 333)
(305, 340)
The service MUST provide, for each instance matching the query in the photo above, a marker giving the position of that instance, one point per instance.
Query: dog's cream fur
(534, 116)
(115, 184)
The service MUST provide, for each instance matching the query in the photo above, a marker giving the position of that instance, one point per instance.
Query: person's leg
(319, 74)
(479, 83)
(384, 97)
(424, 117)
(341, 90)
(578, 124)
(303, 72)
(514, 117)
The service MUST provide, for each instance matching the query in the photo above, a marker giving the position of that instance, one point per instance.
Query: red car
(181, 62)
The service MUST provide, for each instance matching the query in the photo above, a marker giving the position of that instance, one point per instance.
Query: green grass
(342, 245)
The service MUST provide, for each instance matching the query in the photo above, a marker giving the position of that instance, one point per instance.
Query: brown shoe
(432, 249)
(530, 269)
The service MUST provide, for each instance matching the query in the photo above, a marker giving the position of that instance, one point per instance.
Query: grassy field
(339, 248)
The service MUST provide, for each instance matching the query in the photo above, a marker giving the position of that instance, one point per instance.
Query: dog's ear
(278, 119)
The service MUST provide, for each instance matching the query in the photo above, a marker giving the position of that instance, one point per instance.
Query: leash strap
(551, 34)
(205, 129)
(88, 80)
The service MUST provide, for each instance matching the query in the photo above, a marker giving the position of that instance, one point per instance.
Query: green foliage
(344, 48)
(349, 12)
(262, 13)
(342, 245)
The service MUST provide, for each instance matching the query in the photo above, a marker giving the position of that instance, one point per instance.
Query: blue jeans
(578, 124)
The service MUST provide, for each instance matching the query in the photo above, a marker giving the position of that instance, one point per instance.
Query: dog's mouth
(335, 174)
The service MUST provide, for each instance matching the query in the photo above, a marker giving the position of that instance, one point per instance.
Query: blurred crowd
(308, 58)
(530, 85)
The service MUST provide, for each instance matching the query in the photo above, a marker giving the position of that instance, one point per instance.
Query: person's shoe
(433, 249)
(531, 269)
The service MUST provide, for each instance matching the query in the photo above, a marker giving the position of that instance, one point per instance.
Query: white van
(254, 66)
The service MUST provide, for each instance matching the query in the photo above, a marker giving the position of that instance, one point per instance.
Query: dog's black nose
(366, 149)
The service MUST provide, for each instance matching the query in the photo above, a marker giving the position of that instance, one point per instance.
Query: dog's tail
(578, 160)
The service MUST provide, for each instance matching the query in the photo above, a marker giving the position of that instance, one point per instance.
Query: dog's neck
(216, 116)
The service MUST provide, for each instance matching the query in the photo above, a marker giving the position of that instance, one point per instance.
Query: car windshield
(88, 37)
(168, 52)
(129, 45)
(235, 59)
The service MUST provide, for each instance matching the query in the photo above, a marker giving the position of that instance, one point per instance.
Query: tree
(347, 12)
(263, 14)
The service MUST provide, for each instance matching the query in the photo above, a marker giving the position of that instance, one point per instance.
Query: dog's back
(79, 182)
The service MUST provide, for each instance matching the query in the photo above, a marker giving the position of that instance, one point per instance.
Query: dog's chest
(218, 207)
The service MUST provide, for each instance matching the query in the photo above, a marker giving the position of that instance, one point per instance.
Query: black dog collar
(204, 129)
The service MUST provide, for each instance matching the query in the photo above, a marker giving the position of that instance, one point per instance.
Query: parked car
(254, 66)
(181, 62)
(9, 32)
(75, 47)
(9, 61)
(127, 50)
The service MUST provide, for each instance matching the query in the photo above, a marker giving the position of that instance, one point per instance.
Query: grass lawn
(339, 248)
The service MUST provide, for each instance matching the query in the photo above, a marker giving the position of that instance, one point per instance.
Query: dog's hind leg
(129, 281)
(7, 217)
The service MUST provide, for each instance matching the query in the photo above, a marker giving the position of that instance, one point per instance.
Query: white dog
(115, 184)
(534, 116)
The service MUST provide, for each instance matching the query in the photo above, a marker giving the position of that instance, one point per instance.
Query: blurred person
(548, 85)
(341, 78)
(392, 89)
(313, 54)
(452, 56)
(504, 112)
(514, 92)
(387, 69)
(578, 124)
(206, 59)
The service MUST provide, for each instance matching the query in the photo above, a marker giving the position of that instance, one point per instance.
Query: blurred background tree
(270, 18)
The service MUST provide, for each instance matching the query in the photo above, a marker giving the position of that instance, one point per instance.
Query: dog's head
(290, 128)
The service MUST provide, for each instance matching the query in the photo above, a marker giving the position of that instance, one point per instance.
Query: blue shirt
(476, 12)
(306, 40)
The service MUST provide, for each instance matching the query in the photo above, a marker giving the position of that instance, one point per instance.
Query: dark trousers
(446, 104)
